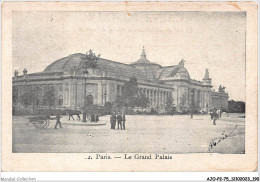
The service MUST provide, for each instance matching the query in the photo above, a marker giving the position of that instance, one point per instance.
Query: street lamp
(105, 95)
(85, 74)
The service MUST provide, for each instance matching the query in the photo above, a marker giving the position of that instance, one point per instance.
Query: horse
(73, 112)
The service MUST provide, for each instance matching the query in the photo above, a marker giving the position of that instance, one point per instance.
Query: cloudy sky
(213, 40)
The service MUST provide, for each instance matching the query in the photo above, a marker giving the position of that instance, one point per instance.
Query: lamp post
(105, 95)
(85, 74)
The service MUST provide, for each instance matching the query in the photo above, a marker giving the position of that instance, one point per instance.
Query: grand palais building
(105, 83)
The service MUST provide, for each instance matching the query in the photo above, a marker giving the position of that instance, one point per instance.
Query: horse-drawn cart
(40, 122)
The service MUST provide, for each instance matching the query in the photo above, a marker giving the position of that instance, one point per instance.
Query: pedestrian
(124, 120)
(97, 119)
(58, 120)
(112, 121)
(218, 114)
(221, 111)
(211, 114)
(119, 121)
(215, 116)
(92, 117)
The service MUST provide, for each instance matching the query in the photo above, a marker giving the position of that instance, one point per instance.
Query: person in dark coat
(215, 116)
(119, 121)
(211, 114)
(124, 120)
(58, 120)
(97, 119)
(112, 121)
(92, 118)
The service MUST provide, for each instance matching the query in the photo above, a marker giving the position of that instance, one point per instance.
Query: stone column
(120, 90)
(151, 98)
(76, 96)
(108, 88)
(188, 97)
(155, 97)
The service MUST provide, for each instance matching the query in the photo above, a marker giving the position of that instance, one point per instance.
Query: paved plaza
(143, 134)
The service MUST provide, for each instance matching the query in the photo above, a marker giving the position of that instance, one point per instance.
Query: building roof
(169, 71)
(74, 60)
(166, 71)
(149, 68)
(143, 60)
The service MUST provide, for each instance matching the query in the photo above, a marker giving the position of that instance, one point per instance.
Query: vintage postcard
(129, 86)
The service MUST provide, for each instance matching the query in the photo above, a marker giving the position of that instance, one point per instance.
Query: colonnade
(201, 97)
(157, 97)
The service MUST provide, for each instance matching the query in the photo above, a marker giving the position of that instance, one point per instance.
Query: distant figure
(112, 121)
(124, 120)
(92, 118)
(119, 121)
(58, 120)
(96, 119)
(215, 116)
(218, 114)
(211, 114)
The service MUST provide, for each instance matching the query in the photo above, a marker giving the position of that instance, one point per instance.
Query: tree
(15, 95)
(108, 107)
(170, 108)
(49, 96)
(120, 102)
(26, 99)
(143, 101)
(236, 106)
(130, 96)
(130, 92)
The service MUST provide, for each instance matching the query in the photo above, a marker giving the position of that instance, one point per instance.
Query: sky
(213, 40)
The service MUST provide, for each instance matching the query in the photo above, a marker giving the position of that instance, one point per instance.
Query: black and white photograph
(119, 86)
(177, 85)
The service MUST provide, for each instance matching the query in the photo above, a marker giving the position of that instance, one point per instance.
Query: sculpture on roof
(25, 71)
(181, 63)
(89, 60)
(206, 74)
(15, 72)
(221, 89)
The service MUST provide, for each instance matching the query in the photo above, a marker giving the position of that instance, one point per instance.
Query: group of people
(119, 119)
(215, 114)
(94, 118)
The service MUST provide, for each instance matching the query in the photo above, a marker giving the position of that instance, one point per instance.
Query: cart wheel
(41, 124)
(47, 122)
(36, 124)
(44, 124)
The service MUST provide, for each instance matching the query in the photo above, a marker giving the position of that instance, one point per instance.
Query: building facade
(106, 81)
